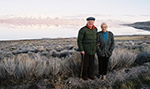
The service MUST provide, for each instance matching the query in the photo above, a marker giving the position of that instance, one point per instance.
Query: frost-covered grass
(143, 57)
(33, 65)
(143, 82)
(121, 58)
(56, 62)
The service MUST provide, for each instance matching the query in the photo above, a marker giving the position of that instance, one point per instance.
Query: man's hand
(82, 52)
(98, 43)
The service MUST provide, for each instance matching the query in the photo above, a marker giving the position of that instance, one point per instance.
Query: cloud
(129, 15)
(146, 15)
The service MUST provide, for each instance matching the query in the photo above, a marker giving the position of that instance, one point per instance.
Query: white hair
(103, 23)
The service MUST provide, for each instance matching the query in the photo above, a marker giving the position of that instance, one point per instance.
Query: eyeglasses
(104, 27)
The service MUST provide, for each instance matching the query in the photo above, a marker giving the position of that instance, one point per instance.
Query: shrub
(143, 57)
(121, 58)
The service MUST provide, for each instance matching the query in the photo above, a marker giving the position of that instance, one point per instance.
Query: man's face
(104, 27)
(90, 23)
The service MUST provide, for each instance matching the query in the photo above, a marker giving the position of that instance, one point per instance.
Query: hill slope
(140, 25)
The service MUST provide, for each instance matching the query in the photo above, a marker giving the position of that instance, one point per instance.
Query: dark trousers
(88, 66)
(103, 65)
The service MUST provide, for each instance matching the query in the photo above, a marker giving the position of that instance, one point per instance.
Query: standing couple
(90, 42)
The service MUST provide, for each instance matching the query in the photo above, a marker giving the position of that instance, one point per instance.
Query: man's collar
(89, 26)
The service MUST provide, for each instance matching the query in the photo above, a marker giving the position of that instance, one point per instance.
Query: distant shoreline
(117, 37)
(140, 25)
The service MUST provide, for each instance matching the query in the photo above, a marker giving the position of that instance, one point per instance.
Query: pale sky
(71, 7)
(131, 10)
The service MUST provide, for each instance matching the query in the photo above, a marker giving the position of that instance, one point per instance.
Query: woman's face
(104, 27)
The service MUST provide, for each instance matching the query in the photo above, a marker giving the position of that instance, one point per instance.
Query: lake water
(33, 32)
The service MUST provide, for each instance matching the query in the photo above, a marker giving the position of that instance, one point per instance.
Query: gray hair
(103, 24)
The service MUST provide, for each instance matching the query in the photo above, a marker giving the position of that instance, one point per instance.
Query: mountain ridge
(140, 25)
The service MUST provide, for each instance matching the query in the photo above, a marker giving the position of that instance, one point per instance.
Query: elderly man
(87, 46)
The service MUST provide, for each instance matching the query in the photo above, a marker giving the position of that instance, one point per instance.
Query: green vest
(87, 40)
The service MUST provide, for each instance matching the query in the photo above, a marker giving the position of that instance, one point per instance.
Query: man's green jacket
(87, 40)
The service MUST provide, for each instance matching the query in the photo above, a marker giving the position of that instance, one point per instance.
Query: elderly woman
(105, 46)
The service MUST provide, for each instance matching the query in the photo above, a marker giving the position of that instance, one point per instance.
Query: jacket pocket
(100, 52)
(109, 53)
